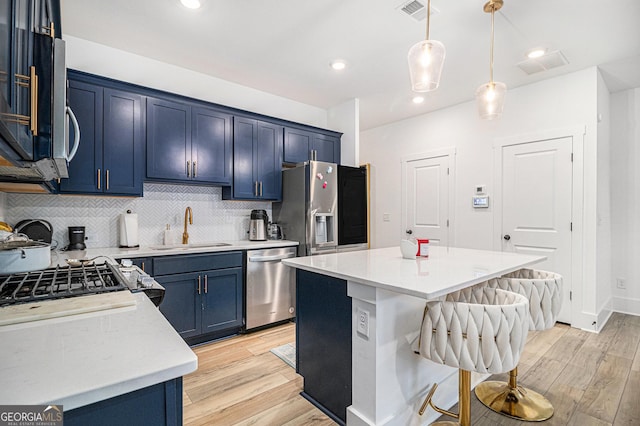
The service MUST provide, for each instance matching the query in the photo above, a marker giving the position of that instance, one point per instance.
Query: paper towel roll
(129, 229)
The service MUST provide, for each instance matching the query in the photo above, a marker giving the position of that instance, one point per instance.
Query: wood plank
(542, 375)
(625, 343)
(582, 419)
(539, 342)
(568, 346)
(629, 408)
(602, 396)
(564, 399)
(280, 414)
(636, 360)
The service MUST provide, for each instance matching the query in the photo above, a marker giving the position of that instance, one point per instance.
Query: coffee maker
(258, 225)
(76, 238)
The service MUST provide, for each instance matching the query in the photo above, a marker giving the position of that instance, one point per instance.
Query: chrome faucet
(188, 215)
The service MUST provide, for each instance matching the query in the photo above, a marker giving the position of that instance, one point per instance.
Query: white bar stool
(479, 329)
(544, 291)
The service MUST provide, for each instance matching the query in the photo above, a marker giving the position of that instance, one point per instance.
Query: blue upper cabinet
(110, 159)
(168, 140)
(211, 145)
(257, 160)
(188, 143)
(300, 145)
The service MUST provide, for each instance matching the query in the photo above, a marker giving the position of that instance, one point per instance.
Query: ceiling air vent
(543, 63)
(416, 10)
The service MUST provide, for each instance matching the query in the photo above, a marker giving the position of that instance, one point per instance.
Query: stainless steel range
(60, 282)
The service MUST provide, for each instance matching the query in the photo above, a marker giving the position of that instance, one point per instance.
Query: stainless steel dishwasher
(271, 287)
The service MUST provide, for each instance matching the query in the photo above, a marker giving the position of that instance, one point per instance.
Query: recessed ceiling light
(417, 99)
(191, 4)
(536, 52)
(338, 65)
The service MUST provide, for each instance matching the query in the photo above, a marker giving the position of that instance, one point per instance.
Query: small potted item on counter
(423, 248)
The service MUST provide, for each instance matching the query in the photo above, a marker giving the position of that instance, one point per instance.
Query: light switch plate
(363, 321)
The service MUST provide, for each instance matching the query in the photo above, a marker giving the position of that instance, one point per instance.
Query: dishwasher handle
(258, 258)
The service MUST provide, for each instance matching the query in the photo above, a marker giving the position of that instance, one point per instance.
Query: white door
(427, 187)
(536, 206)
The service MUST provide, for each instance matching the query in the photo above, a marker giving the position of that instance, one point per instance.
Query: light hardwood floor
(591, 379)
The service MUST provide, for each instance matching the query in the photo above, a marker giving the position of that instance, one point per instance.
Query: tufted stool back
(543, 290)
(479, 329)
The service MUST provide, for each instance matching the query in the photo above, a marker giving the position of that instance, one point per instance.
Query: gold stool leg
(514, 401)
(464, 402)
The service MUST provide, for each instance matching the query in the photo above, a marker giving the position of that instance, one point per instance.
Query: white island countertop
(444, 271)
(81, 359)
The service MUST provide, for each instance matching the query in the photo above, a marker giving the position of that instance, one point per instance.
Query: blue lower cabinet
(156, 405)
(182, 304)
(205, 304)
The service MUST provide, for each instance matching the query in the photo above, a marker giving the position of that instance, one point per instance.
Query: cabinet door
(297, 145)
(123, 143)
(85, 171)
(222, 299)
(22, 57)
(244, 175)
(211, 146)
(181, 304)
(168, 140)
(268, 159)
(6, 83)
(327, 148)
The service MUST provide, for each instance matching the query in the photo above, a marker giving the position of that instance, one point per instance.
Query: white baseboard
(626, 305)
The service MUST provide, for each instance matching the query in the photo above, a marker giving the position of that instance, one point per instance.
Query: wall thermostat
(481, 189)
(481, 202)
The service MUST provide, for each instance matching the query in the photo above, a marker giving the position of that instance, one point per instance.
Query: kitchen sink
(188, 246)
(205, 245)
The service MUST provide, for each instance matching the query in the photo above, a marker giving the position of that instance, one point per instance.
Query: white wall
(568, 101)
(345, 118)
(625, 198)
(106, 61)
(603, 224)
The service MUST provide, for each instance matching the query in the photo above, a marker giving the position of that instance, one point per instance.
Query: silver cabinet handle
(255, 190)
(188, 168)
(195, 169)
(206, 284)
(107, 179)
(99, 173)
(261, 188)
(199, 285)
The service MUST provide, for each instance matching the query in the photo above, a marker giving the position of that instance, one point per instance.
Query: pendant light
(426, 59)
(490, 96)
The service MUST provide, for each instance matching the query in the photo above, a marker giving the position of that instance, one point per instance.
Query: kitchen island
(387, 295)
(125, 362)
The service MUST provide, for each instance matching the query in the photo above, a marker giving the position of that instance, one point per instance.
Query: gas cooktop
(60, 282)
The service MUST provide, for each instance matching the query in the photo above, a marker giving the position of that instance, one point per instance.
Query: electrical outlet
(386, 217)
(363, 322)
(621, 283)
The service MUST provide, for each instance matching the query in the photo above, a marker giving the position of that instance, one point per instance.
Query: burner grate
(59, 282)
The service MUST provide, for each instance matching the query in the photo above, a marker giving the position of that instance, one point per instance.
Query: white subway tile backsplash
(214, 219)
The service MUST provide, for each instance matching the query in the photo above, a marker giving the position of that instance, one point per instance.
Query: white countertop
(81, 359)
(58, 257)
(444, 271)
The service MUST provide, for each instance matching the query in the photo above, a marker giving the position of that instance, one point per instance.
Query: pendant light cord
(428, 17)
(493, 11)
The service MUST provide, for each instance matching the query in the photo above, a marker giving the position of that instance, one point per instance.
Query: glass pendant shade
(490, 97)
(426, 59)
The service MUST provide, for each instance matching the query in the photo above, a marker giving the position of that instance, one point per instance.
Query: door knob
(507, 237)
(409, 231)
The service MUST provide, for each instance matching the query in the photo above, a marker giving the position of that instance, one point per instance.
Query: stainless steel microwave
(52, 150)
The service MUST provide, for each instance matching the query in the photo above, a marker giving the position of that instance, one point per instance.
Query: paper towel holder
(129, 230)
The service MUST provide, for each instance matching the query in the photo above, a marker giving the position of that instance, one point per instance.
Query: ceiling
(284, 47)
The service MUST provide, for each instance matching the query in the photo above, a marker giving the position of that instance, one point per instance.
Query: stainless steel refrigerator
(308, 211)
